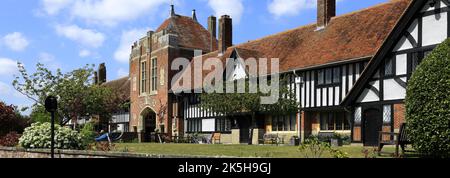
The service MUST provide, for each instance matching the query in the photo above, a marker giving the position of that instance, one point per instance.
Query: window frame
(143, 77)
(154, 75)
(335, 74)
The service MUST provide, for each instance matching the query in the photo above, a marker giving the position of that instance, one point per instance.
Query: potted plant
(336, 140)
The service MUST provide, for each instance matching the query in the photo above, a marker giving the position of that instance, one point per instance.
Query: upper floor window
(389, 69)
(143, 76)
(329, 76)
(154, 72)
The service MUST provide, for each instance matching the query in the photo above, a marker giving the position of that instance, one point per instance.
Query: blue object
(103, 137)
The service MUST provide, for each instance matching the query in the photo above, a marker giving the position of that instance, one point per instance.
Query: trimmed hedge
(428, 103)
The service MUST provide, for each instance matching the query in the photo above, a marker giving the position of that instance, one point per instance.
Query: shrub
(313, 147)
(10, 140)
(338, 153)
(38, 135)
(428, 103)
(87, 134)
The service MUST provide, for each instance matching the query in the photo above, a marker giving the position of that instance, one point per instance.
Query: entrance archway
(373, 123)
(149, 124)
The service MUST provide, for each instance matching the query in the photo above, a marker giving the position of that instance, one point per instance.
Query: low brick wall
(8, 152)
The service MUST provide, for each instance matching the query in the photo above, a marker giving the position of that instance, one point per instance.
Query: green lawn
(237, 150)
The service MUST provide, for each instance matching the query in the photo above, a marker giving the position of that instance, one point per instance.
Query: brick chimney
(212, 28)
(101, 74)
(326, 9)
(225, 33)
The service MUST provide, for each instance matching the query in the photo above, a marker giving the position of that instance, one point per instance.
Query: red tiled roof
(191, 34)
(351, 36)
(120, 87)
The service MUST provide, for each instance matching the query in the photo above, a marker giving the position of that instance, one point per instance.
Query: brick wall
(399, 115)
(357, 134)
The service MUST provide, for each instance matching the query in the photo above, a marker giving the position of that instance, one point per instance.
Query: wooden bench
(215, 137)
(400, 139)
(271, 139)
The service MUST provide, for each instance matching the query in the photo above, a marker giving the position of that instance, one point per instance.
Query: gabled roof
(389, 43)
(191, 34)
(350, 36)
(120, 87)
(347, 37)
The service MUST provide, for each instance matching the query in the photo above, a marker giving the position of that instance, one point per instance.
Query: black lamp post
(51, 104)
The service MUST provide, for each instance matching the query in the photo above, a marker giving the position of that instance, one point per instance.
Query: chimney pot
(194, 15)
(326, 9)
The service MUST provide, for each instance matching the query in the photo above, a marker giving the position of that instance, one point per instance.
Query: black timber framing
(397, 33)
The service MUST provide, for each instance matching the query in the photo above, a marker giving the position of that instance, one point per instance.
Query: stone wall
(8, 152)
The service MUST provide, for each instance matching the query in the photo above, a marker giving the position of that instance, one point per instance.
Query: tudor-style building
(349, 72)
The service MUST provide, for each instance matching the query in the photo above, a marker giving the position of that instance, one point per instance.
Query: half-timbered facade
(349, 73)
(377, 100)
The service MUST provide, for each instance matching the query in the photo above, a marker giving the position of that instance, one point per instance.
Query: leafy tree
(11, 120)
(428, 103)
(234, 103)
(39, 114)
(77, 95)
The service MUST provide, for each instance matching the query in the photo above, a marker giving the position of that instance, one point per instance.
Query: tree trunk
(251, 130)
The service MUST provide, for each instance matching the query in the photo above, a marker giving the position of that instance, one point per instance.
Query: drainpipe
(299, 117)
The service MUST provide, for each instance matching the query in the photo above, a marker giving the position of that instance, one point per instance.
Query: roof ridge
(115, 80)
(315, 23)
(369, 8)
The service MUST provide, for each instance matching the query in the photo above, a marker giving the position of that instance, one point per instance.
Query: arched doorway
(373, 123)
(149, 124)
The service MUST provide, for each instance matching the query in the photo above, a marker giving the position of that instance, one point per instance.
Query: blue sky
(68, 34)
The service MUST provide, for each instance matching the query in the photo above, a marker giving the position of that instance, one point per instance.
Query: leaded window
(387, 114)
(389, 67)
(358, 115)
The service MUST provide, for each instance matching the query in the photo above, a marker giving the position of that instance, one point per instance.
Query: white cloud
(123, 52)
(8, 66)
(52, 7)
(15, 41)
(111, 12)
(49, 60)
(85, 37)
(290, 7)
(122, 73)
(46, 57)
(4, 89)
(84, 53)
(234, 8)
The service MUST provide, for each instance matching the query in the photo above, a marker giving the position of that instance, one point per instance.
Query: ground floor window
(334, 121)
(223, 125)
(194, 125)
(208, 125)
(284, 123)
